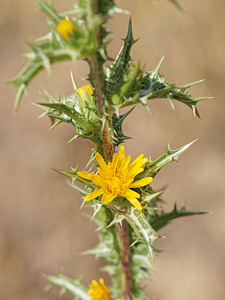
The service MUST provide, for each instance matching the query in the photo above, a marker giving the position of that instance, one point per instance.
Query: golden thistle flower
(88, 88)
(99, 291)
(65, 27)
(117, 178)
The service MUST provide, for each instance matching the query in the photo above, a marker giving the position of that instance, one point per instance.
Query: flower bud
(65, 27)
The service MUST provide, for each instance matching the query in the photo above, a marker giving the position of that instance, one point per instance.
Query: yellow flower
(65, 27)
(99, 291)
(117, 178)
(88, 88)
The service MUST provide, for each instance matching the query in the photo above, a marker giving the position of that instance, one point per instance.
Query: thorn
(73, 138)
(97, 207)
(162, 236)
(99, 228)
(19, 92)
(188, 145)
(54, 125)
(188, 85)
(148, 110)
(194, 109)
(157, 69)
(73, 81)
(82, 205)
(135, 242)
(202, 98)
(171, 103)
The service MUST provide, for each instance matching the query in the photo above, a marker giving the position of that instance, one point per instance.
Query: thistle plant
(127, 210)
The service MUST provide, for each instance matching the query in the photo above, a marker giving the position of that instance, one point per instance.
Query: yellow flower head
(65, 27)
(117, 178)
(99, 291)
(88, 88)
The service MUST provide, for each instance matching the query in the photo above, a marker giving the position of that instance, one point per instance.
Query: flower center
(115, 185)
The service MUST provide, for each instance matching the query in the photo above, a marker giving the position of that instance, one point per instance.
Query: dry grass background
(42, 229)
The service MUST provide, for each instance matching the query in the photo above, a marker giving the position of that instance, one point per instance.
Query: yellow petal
(85, 175)
(115, 159)
(101, 161)
(135, 171)
(130, 194)
(128, 181)
(141, 182)
(135, 203)
(138, 160)
(106, 198)
(89, 89)
(93, 177)
(126, 162)
(121, 156)
(113, 165)
(100, 172)
(93, 195)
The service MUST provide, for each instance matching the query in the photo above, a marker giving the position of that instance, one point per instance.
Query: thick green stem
(109, 149)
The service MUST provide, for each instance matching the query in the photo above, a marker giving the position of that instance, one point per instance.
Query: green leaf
(54, 48)
(159, 221)
(152, 167)
(153, 85)
(126, 88)
(47, 55)
(143, 230)
(106, 7)
(117, 127)
(74, 287)
(49, 10)
(71, 113)
(116, 71)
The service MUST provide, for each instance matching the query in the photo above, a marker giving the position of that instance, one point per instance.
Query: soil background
(42, 229)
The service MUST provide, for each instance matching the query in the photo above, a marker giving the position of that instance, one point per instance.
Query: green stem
(109, 150)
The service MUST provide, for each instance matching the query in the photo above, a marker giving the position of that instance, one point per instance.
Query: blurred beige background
(42, 229)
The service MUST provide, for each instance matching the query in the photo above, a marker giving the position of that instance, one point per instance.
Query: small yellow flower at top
(88, 88)
(99, 291)
(65, 27)
(117, 178)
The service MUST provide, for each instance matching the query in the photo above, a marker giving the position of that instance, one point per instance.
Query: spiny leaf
(71, 113)
(34, 66)
(117, 127)
(50, 11)
(143, 230)
(54, 48)
(127, 86)
(116, 71)
(152, 167)
(123, 60)
(159, 221)
(153, 85)
(74, 287)
(73, 175)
